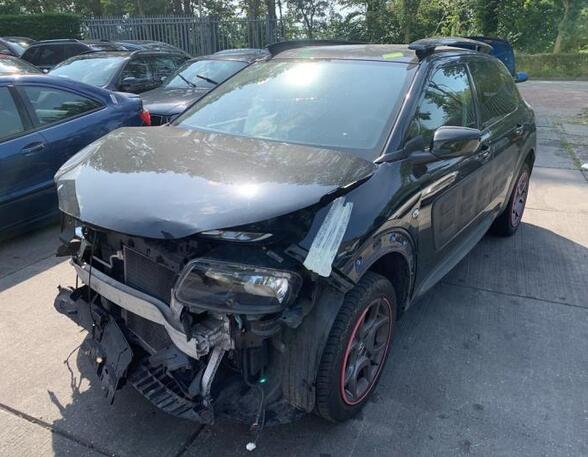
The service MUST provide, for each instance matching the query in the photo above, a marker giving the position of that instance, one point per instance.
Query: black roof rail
(276, 48)
(426, 46)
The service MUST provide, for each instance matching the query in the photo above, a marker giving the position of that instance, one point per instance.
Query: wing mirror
(451, 142)
(521, 77)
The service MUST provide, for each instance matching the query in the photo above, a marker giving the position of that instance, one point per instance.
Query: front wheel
(508, 222)
(357, 348)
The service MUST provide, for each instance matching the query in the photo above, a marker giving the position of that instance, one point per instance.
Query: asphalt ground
(492, 362)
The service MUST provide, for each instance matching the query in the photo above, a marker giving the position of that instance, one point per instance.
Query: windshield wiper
(208, 80)
(187, 81)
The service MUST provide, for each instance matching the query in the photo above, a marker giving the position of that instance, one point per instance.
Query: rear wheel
(508, 222)
(357, 348)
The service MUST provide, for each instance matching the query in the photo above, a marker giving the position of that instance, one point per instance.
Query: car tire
(356, 351)
(509, 220)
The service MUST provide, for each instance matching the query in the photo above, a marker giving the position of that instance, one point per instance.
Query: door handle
(33, 149)
(485, 151)
(519, 129)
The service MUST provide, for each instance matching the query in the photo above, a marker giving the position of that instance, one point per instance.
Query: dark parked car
(45, 121)
(251, 259)
(149, 45)
(10, 65)
(193, 79)
(48, 53)
(14, 45)
(126, 71)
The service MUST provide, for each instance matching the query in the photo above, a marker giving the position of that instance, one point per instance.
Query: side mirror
(521, 77)
(451, 142)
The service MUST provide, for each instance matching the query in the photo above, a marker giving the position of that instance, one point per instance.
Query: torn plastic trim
(144, 306)
(326, 243)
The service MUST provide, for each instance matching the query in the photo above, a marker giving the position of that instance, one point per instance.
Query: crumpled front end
(203, 327)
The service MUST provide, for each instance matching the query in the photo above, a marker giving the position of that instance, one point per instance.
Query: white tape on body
(326, 243)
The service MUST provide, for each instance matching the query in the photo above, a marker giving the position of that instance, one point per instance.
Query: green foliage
(41, 26)
(554, 66)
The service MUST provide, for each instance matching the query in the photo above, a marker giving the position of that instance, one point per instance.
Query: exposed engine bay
(198, 335)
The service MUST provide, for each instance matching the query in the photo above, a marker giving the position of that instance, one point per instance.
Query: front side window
(56, 105)
(497, 94)
(97, 71)
(447, 101)
(204, 73)
(337, 104)
(163, 66)
(11, 122)
(139, 69)
(48, 55)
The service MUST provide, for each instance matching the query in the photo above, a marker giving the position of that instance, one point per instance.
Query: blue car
(44, 121)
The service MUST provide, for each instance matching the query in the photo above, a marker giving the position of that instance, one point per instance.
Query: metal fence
(195, 35)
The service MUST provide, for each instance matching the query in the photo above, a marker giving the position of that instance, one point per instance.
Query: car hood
(170, 182)
(170, 101)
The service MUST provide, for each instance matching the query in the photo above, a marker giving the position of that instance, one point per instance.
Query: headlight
(241, 289)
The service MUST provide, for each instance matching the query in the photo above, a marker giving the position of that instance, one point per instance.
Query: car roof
(245, 55)
(56, 81)
(374, 52)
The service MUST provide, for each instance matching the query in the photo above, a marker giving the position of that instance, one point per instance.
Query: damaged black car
(251, 260)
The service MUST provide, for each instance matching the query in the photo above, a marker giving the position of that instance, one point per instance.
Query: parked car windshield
(338, 104)
(97, 71)
(204, 73)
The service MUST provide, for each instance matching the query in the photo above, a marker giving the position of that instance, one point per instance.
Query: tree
(311, 13)
(567, 27)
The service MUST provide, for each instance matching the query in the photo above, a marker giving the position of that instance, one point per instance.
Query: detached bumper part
(108, 347)
(111, 351)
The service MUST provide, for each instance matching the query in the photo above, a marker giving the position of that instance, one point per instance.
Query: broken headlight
(235, 288)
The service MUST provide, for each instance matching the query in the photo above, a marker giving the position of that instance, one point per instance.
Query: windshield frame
(375, 152)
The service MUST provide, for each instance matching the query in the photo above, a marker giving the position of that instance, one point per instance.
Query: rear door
(503, 127)
(26, 166)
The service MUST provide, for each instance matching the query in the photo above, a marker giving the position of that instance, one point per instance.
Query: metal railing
(195, 35)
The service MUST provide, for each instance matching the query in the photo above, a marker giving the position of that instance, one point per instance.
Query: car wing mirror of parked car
(451, 142)
(521, 77)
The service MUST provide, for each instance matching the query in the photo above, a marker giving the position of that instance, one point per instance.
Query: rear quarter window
(496, 92)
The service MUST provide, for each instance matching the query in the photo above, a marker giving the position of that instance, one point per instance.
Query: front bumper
(149, 308)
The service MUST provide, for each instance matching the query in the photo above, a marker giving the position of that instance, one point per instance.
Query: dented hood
(169, 182)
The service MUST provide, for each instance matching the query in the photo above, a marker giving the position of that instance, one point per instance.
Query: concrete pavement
(493, 362)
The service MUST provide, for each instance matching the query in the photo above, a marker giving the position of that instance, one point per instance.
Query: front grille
(149, 277)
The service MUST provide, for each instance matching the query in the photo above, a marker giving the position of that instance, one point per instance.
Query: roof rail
(276, 48)
(59, 40)
(426, 46)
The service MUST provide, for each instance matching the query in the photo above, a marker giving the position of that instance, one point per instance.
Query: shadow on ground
(473, 371)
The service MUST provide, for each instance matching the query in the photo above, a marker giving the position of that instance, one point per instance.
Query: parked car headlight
(236, 288)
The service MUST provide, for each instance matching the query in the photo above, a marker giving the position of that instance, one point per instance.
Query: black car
(126, 71)
(48, 53)
(14, 45)
(10, 65)
(149, 45)
(251, 259)
(194, 79)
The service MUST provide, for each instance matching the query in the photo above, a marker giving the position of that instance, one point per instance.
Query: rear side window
(11, 122)
(496, 91)
(56, 105)
(447, 100)
(71, 50)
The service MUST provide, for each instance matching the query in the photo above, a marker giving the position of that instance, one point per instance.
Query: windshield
(10, 66)
(338, 104)
(95, 71)
(204, 73)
